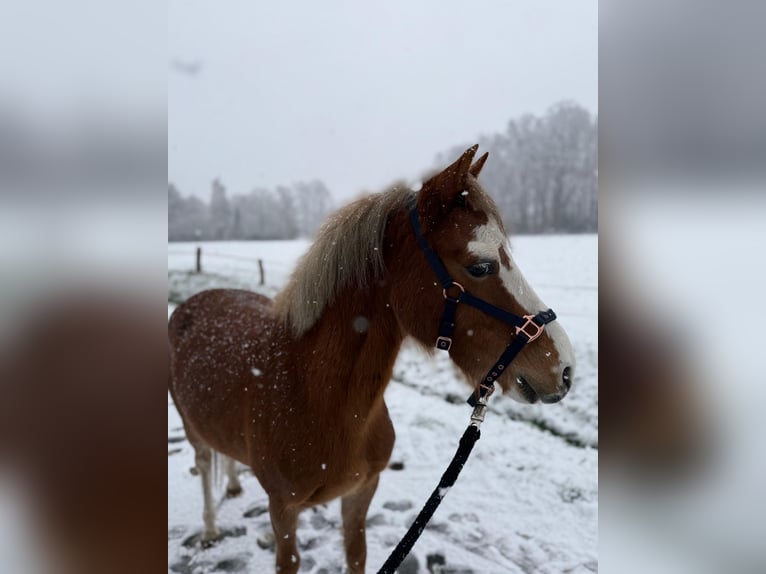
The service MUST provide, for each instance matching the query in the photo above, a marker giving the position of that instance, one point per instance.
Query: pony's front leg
(284, 521)
(354, 510)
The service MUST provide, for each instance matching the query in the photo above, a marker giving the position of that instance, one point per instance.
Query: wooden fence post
(260, 269)
(199, 260)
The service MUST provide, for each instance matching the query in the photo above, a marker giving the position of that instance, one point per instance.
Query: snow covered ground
(527, 500)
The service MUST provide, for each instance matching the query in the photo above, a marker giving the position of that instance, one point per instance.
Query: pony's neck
(353, 348)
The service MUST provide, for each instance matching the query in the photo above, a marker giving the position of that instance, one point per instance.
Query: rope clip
(479, 411)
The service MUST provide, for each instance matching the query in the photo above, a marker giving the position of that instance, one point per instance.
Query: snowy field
(527, 501)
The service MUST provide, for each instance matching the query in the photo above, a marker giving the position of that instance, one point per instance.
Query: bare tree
(543, 171)
(187, 217)
(220, 212)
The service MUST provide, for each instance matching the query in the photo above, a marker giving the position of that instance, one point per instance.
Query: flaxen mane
(348, 251)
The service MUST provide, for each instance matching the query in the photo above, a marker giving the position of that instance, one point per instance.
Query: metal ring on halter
(530, 322)
(454, 284)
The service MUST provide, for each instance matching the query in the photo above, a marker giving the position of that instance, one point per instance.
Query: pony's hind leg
(233, 486)
(203, 456)
(203, 466)
(284, 520)
(354, 508)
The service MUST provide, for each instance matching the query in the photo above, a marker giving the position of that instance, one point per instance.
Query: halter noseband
(527, 328)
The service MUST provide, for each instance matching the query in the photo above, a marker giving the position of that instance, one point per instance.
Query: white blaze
(486, 244)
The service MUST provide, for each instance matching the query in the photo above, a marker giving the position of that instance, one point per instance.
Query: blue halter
(527, 328)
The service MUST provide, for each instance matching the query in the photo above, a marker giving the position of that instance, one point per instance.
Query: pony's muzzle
(566, 384)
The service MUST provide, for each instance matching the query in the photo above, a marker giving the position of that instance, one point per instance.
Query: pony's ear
(438, 194)
(478, 164)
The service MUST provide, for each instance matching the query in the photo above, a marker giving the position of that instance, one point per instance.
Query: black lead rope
(469, 438)
(527, 329)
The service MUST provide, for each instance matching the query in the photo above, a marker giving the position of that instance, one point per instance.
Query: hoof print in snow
(196, 539)
(266, 541)
(231, 565)
(176, 532)
(307, 564)
(391, 539)
(332, 570)
(192, 540)
(454, 399)
(467, 517)
(233, 532)
(319, 522)
(375, 520)
(255, 511)
(571, 494)
(397, 505)
(309, 544)
(437, 564)
(441, 527)
(173, 451)
(396, 466)
(174, 439)
(183, 566)
(409, 565)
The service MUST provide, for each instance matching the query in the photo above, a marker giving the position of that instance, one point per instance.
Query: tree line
(542, 172)
(286, 212)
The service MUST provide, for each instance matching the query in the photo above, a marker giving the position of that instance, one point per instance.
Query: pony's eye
(481, 269)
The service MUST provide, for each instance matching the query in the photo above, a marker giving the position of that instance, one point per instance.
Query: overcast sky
(356, 93)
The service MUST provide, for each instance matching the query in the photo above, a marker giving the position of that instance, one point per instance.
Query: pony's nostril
(567, 377)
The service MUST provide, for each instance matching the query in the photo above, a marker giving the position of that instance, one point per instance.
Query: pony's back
(221, 343)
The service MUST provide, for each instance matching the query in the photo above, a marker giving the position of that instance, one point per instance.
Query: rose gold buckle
(490, 388)
(444, 343)
(454, 284)
(530, 322)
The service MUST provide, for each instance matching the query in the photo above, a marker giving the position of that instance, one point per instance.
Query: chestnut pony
(293, 387)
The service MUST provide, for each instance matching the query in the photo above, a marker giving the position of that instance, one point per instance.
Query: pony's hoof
(208, 540)
(233, 492)
(266, 541)
(208, 543)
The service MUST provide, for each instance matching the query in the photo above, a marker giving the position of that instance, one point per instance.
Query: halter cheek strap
(526, 328)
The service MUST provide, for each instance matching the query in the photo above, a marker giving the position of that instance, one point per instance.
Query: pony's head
(461, 223)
